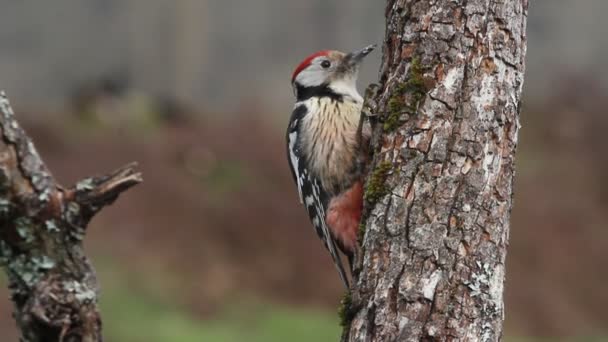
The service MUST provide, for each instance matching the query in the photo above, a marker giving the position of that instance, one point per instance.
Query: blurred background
(214, 245)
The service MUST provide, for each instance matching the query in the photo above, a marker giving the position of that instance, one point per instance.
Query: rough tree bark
(439, 192)
(42, 227)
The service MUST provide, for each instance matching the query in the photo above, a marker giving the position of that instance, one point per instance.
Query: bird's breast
(330, 141)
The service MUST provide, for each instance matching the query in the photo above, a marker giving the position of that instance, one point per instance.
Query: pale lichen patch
(81, 291)
(496, 286)
(85, 184)
(430, 284)
(51, 226)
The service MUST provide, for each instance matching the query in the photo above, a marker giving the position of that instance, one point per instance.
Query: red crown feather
(305, 63)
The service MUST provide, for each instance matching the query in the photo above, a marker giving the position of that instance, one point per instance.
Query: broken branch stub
(42, 226)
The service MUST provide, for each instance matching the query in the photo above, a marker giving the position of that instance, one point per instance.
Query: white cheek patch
(311, 77)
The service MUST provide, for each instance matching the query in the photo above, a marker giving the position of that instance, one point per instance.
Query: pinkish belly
(344, 214)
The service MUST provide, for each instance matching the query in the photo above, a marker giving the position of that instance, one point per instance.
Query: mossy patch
(406, 96)
(376, 188)
(395, 107)
(361, 232)
(345, 311)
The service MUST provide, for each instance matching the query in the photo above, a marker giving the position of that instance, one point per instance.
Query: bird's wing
(311, 193)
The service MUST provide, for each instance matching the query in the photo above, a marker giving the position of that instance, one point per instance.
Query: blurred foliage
(151, 314)
(224, 177)
(133, 316)
(137, 315)
(129, 317)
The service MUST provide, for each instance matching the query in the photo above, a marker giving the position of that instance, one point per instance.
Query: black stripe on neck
(323, 90)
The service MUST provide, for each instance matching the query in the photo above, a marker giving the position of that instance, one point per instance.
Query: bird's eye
(325, 64)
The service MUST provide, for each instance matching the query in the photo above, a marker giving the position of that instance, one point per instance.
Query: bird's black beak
(353, 59)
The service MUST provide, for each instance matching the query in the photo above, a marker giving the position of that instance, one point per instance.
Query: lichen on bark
(42, 226)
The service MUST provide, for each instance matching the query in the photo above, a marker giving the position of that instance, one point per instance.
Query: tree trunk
(42, 227)
(439, 194)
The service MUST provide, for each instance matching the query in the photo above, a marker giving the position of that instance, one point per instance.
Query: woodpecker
(324, 143)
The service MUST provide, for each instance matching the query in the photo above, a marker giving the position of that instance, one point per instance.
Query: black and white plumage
(311, 193)
(322, 148)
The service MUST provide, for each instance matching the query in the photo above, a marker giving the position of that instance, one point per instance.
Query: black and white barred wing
(311, 193)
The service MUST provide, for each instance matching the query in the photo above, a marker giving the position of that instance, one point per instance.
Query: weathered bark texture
(42, 227)
(439, 193)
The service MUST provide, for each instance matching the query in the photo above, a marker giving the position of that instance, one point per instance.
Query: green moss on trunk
(375, 187)
(406, 96)
(345, 311)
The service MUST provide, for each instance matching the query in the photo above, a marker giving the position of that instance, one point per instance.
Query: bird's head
(330, 70)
